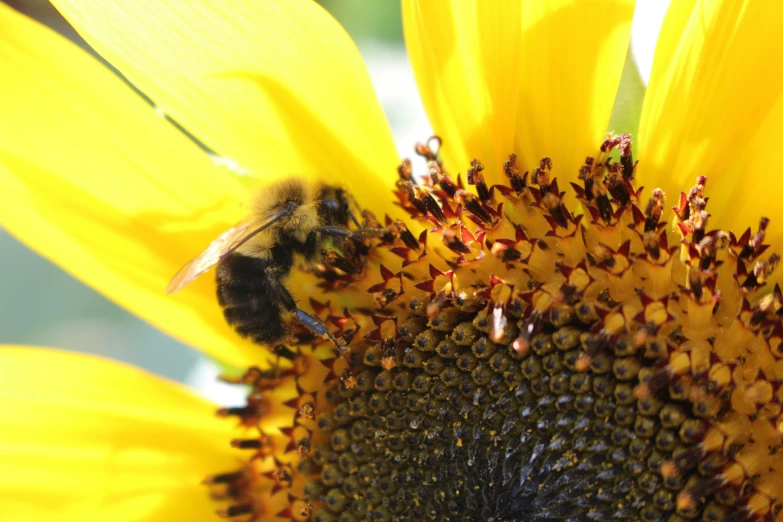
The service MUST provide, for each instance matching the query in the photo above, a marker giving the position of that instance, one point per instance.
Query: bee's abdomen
(251, 300)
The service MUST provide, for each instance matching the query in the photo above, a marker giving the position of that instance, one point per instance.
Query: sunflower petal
(277, 86)
(756, 193)
(92, 179)
(535, 77)
(86, 439)
(715, 81)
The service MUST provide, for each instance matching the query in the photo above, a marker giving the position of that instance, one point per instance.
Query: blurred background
(42, 305)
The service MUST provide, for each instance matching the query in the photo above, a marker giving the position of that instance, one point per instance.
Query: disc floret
(510, 359)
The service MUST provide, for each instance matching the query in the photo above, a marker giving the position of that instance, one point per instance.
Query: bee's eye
(333, 212)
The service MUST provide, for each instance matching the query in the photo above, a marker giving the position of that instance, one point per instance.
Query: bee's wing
(228, 241)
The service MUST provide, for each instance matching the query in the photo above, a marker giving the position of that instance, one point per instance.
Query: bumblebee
(288, 226)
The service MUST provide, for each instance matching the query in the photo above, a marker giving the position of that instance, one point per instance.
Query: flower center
(516, 362)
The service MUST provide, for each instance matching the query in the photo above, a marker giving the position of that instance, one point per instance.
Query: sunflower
(510, 350)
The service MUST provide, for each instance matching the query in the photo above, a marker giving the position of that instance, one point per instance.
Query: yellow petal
(754, 176)
(534, 77)
(84, 439)
(714, 81)
(116, 196)
(277, 86)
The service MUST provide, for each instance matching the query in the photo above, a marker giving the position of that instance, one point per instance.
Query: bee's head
(334, 206)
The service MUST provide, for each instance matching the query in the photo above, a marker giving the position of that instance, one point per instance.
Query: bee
(289, 226)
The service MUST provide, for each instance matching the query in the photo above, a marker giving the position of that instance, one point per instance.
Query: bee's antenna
(353, 218)
(285, 352)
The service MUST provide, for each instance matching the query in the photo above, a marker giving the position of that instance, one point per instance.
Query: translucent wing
(228, 241)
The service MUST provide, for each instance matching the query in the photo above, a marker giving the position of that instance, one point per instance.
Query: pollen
(507, 358)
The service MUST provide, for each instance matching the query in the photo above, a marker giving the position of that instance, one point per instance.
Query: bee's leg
(310, 322)
(345, 265)
(362, 233)
(366, 232)
(284, 351)
(318, 328)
